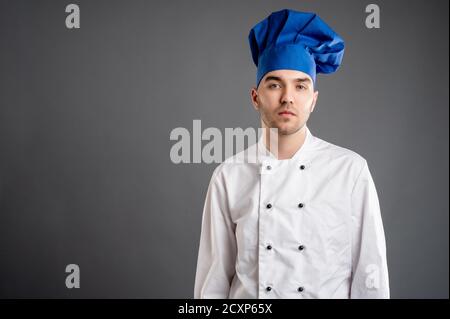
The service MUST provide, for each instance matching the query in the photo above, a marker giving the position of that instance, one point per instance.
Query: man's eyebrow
(276, 78)
(303, 80)
(270, 78)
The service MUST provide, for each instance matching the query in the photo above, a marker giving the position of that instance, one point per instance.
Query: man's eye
(273, 85)
(301, 87)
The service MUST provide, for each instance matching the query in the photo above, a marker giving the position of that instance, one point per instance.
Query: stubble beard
(282, 131)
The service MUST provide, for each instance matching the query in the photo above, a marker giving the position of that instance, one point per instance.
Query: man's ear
(254, 98)
(316, 95)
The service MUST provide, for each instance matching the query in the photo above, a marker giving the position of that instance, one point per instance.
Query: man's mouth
(286, 113)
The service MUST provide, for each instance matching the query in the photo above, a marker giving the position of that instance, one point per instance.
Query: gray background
(85, 118)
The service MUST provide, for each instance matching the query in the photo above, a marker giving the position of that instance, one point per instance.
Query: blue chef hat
(295, 40)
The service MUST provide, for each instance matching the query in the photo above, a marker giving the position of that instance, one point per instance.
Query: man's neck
(288, 145)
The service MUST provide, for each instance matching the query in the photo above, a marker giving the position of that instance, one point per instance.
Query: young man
(305, 223)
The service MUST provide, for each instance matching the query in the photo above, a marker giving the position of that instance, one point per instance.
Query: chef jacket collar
(266, 157)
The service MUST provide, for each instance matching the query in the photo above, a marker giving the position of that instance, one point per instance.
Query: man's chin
(285, 128)
(288, 130)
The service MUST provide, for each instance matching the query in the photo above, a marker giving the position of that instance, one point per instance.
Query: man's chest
(316, 187)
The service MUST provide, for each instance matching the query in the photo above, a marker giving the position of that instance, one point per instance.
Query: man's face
(285, 99)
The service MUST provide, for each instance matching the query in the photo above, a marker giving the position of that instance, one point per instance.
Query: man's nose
(288, 96)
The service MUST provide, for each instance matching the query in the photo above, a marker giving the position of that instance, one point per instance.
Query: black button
(301, 247)
(269, 247)
(301, 205)
(302, 167)
(269, 167)
(269, 206)
(300, 289)
(268, 288)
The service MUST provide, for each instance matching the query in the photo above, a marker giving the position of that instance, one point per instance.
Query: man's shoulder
(336, 152)
(246, 159)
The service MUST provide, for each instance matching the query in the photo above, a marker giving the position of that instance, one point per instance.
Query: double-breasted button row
(269, 246)
(269, 167)
(300, 205)
(299, 289)
(300, 247)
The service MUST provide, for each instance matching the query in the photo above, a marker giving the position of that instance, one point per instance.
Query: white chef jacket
(305, 227)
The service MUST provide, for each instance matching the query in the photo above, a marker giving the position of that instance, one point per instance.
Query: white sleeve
(217, 249)
(370, 278)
